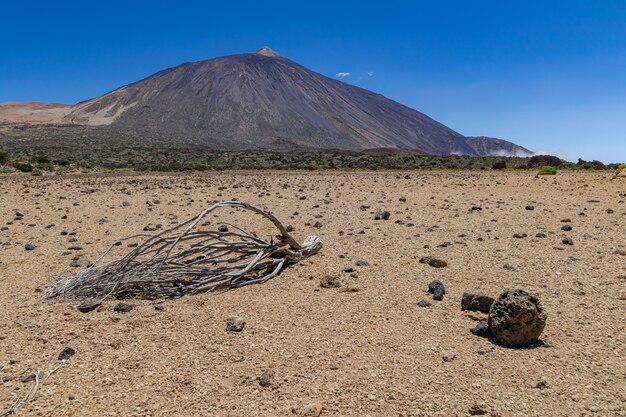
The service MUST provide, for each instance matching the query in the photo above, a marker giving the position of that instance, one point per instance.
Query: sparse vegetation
(619, 169)
(23, 167)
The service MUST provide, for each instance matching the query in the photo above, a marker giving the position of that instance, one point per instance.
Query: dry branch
(186, 260)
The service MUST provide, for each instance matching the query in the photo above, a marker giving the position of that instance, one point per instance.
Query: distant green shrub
(37, 172)
(547, 170)
(4, 156)
(23, 167)
(63, 162)
(619, 169)
(46, 166)
(41, 159)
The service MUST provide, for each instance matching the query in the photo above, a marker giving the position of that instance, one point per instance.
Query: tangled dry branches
(187, 260)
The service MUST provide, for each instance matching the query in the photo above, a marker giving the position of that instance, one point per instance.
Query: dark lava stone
(424, 304)
(123, 308)
(481, 329)
(566, 228)
(66, 353)
(88, 306)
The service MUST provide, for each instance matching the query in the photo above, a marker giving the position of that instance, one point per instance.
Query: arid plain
(363, 348)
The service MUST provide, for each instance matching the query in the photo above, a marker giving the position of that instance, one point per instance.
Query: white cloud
(370, 73)
(342, 74)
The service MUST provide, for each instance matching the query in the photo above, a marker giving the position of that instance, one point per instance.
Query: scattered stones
(266, 378)
(330, 282)
(566, 228)
(27, 378)
(349, 289)
(481, 329)
(424, 304)
(476, 208)
(66, 353)
(347, 269)
(520, 235)
(362, 263)
(540, 235)
(235, 324)
(437, 289)
(384, 215)
(29, 246)
(508, 267)
(476, 302)
(88, 306)
(568, 241)
(516, 318)
(312, 410)
(434, 262)
(479, 409)
(123, 307)
(223, 228)
(80, 263)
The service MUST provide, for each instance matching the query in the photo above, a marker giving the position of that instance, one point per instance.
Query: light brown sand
(372, 352)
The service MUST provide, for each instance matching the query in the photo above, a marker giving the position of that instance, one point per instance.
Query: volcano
(262, 101)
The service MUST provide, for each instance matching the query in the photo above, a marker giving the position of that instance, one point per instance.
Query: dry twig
(186, 260)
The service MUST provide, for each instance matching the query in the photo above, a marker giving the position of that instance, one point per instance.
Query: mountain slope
(265, 101)
(486, 146)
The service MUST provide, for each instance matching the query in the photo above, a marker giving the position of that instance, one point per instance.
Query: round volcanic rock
(516, 318)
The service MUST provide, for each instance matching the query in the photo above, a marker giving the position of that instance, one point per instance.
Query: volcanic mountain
(262, 101)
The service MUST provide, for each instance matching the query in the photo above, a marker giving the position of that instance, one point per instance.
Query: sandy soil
(367, 352)
(33, 113)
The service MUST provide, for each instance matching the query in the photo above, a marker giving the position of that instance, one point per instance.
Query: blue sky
(549, 75)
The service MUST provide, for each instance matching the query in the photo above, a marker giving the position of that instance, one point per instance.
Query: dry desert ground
(362, 349)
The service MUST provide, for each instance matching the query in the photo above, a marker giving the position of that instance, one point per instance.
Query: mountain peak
(267, 51)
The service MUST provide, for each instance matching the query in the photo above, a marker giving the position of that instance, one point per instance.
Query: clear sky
(549, 75)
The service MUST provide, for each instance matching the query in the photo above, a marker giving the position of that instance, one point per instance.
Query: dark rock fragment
(265, 380)
(123, 308)
(66, 353)
(481, 329)
(424, 304)
(476, 302)
(437, 289)
(434, 262)
(88, 306)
